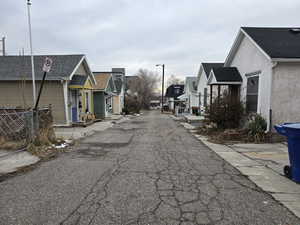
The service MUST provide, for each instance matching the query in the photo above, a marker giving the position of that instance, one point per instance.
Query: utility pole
(31, 53)
(162, 86)
(3, 46)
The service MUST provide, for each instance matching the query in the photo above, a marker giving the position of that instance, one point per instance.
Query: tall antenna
(31, 53)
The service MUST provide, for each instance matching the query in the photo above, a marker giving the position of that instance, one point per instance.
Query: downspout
(269, 127)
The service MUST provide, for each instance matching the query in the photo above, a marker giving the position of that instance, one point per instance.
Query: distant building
(172, 94)
(190, 96)
(119, 80)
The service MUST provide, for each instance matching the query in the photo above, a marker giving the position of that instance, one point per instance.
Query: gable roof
(224, 75)
(118, 76)
(19, 67)
(119, 84)
(78, 80)
(276, 42)
(191, 83)
(209, 66)
(171, 93)
(102, 79)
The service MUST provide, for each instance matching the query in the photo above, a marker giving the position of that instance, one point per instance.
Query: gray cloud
(142, 33)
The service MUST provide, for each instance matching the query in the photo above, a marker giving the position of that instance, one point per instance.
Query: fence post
(35, 122)
(29, 124)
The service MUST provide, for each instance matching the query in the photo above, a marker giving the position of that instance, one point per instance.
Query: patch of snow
(63, 145)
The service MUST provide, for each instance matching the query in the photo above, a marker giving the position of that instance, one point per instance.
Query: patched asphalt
(145, 171)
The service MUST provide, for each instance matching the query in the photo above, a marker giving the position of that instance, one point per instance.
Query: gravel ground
(145, 171)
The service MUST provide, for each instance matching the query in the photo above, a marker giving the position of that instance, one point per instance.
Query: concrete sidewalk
(81, 132)
(12, 161)
(261, 163)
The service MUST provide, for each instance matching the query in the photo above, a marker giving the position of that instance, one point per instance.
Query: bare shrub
(226, 112)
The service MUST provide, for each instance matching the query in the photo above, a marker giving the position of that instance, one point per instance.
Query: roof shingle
(209, 66)
(19, 67)
(102, 80)
(227, 74)
(276, 42)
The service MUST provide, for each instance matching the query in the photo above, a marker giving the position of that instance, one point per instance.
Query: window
(205, 97)
(252, 94)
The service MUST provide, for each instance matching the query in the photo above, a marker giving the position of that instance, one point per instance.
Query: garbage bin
(292, 132)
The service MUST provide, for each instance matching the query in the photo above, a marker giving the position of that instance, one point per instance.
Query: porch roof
(224, 76)
(78, 80)
(182, 97)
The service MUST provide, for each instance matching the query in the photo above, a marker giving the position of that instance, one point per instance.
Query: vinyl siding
(14, 94)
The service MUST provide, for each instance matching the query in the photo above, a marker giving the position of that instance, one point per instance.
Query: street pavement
(144, 171)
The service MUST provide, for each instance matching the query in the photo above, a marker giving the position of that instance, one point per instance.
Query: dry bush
(225, 112)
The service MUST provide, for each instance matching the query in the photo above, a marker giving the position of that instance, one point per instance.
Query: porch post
(66, 101)
(211, 93)
(219, 93)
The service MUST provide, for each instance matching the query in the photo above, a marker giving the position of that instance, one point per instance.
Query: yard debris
(233, 136)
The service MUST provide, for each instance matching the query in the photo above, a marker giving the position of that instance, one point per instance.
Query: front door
(74, 107)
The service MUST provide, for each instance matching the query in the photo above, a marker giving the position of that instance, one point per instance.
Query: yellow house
(81, 99)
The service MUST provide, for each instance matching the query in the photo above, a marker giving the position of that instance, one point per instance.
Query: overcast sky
(140, 33)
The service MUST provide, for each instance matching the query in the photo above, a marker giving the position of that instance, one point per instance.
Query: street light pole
(162, 86)
(31, 53)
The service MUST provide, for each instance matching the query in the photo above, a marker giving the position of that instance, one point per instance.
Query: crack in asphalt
(159, 179)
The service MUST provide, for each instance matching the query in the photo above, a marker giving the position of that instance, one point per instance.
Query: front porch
(81, 108)
(224, 81)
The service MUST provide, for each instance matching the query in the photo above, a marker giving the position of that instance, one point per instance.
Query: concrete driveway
(145, 171)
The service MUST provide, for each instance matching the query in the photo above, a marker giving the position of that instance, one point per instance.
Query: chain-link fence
(19, 127)
(16, 127)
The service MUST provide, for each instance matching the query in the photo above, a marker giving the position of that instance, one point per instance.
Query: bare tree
(143, 88)
(174, 80)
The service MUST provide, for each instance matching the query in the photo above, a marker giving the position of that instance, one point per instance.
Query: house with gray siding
(104, 92)
(268, 60)
(68, 86)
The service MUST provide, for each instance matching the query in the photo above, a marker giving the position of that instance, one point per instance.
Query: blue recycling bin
(292, 132)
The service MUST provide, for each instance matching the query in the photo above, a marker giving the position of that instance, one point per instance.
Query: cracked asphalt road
(146, 171)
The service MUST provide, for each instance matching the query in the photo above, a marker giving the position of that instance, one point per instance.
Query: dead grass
(45, 152)
(11, 145)
(234, 136)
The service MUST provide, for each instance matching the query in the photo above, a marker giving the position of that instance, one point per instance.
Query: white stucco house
(268, 60)
(202, 86)
(190, 95)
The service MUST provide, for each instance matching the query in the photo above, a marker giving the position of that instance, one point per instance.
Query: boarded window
(252, 94)
(205, 97)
